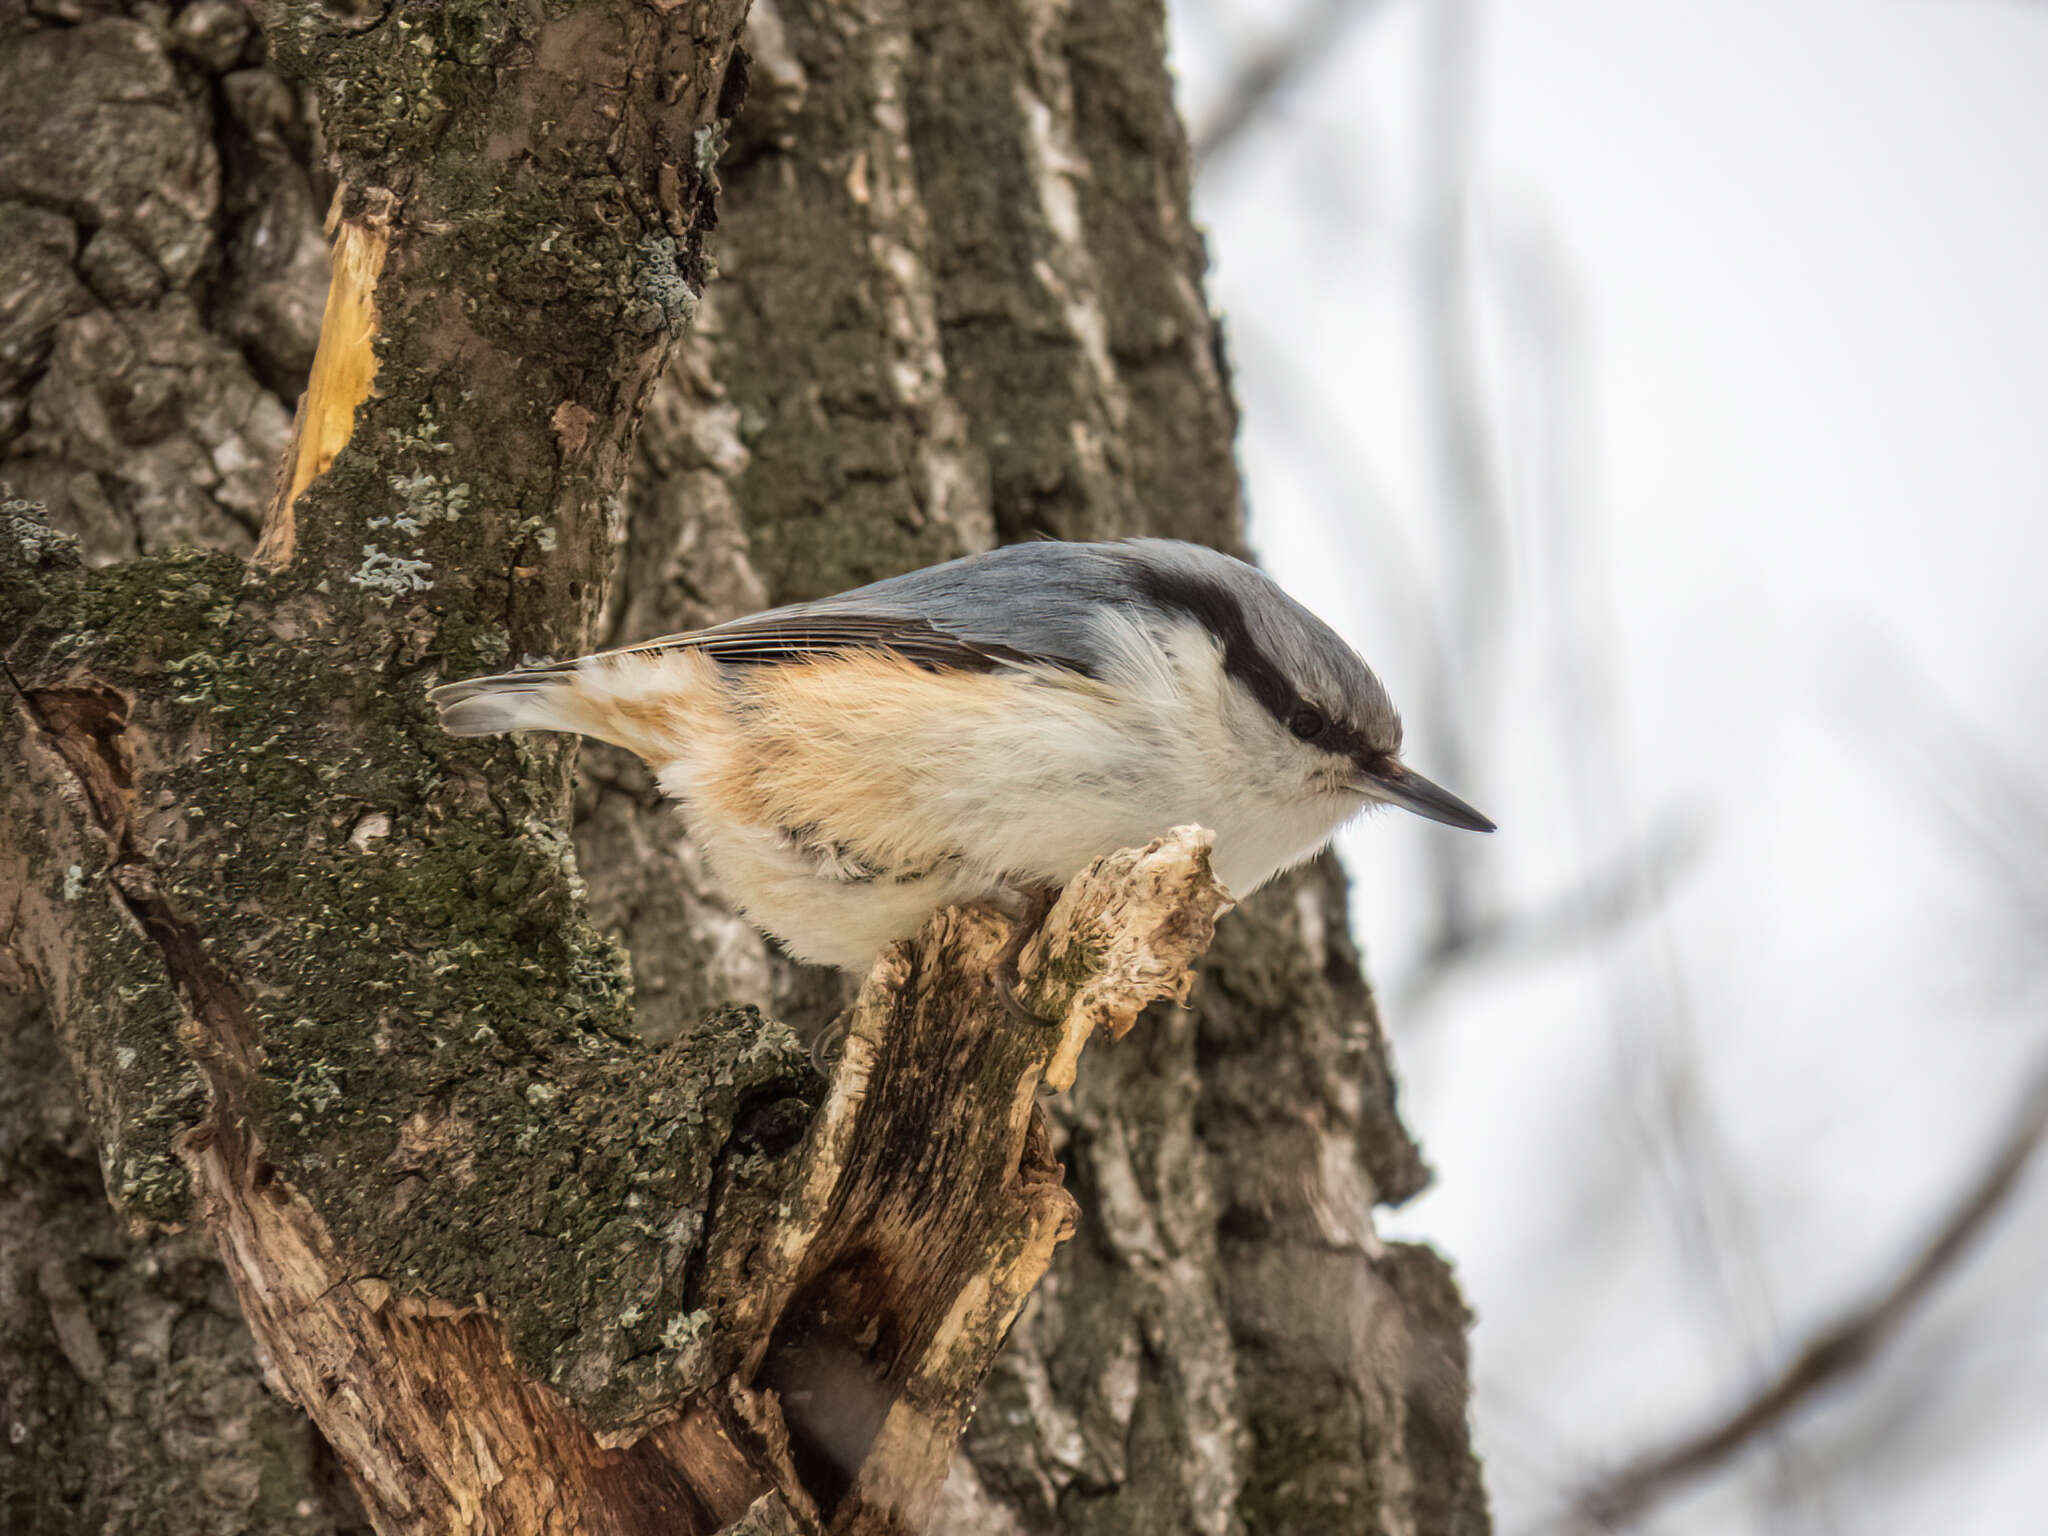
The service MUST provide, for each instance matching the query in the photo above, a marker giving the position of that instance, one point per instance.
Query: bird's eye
(1306, 722)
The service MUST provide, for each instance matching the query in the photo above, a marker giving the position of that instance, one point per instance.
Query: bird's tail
(537, 700)
(643, 701)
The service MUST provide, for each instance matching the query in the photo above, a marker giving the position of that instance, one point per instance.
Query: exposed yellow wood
(344, 368)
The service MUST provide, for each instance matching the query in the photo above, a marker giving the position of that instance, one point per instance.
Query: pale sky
(1797, 257)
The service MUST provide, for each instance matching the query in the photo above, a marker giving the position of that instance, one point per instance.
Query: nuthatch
(985, 729)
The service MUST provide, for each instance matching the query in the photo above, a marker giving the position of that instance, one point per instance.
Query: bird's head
(1306, 705)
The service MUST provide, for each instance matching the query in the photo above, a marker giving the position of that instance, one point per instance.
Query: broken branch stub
(928, 1201)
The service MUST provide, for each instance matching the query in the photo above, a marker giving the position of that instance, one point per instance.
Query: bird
(983, 730)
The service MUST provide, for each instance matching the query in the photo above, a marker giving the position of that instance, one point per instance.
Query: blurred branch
(1603, 902)
(1839, 1350)
(1270, 71)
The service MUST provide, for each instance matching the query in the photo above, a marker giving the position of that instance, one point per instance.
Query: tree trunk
(325, 978)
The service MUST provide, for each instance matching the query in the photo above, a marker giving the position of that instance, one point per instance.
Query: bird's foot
(829, 1044)
(1038, 900)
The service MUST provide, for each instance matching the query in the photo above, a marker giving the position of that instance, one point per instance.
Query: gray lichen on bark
(376, 962)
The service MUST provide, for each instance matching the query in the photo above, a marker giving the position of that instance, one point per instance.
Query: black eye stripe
(1218, 611)
(1307, 722)
(1340, 740)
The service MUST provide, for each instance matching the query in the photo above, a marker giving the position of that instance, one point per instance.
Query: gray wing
(1021, 605)
(1039, 604)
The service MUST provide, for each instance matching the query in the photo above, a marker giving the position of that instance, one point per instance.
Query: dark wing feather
(784, 635)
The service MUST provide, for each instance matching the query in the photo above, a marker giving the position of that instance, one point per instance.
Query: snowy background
(1655, 394)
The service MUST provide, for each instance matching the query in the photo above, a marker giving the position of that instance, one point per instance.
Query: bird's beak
(1402, 786)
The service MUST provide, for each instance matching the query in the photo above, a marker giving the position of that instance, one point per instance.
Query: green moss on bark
(448, 1070)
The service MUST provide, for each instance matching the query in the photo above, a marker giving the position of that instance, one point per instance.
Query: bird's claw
(1006, 992)
(1038, 902)
(830, 1043)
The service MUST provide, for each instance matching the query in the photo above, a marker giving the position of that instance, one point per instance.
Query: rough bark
(161, 277)
(958, 300)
